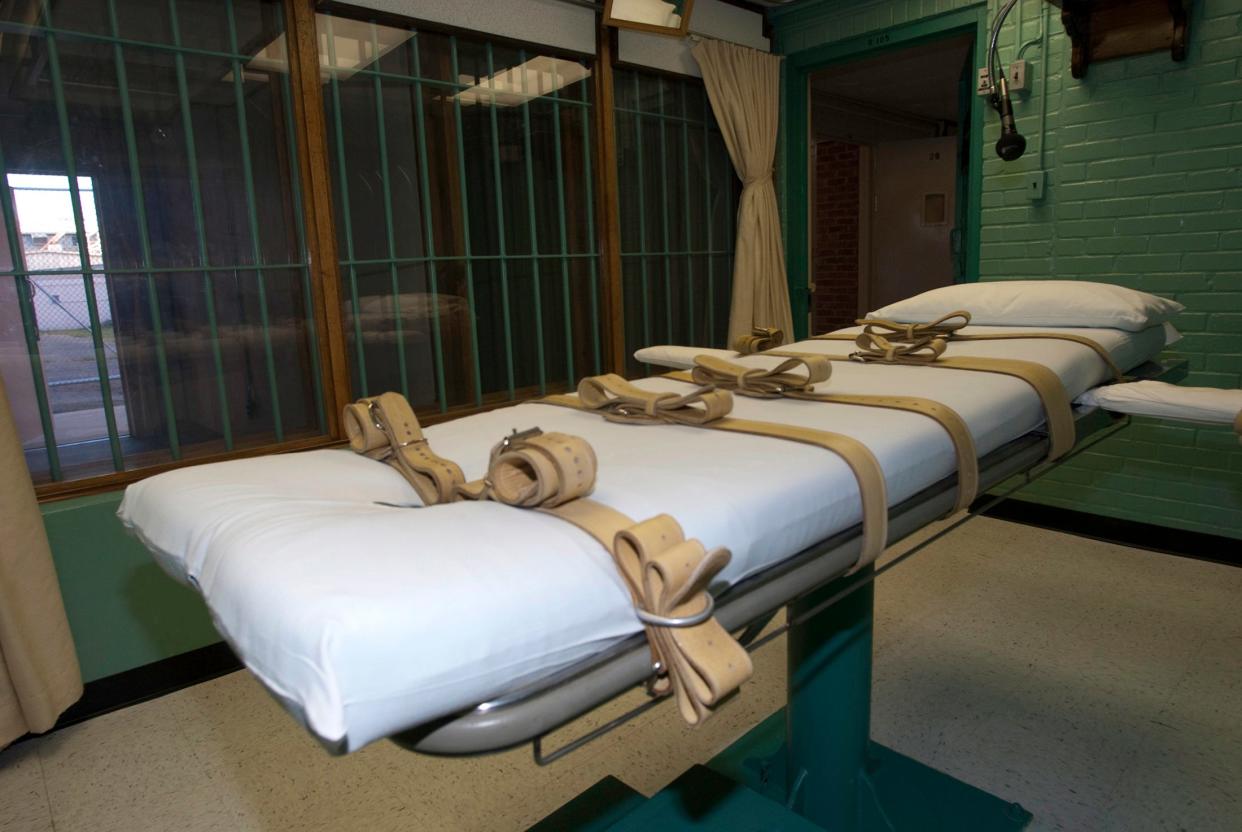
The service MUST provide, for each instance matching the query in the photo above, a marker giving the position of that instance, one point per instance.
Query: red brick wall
(834, 234)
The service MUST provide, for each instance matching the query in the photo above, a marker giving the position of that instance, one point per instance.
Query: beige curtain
(39, 675)
(743, 85)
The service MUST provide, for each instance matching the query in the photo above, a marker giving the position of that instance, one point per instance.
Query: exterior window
(678, 196)
(154, 291)
(463, 203)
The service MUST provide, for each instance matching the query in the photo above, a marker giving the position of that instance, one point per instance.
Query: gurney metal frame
(532, 711)
(818, 759)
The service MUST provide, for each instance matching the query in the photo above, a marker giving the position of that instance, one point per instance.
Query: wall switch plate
(1018, 73)
(1035, 185)
(984, 85)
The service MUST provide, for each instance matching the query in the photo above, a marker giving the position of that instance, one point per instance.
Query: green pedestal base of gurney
(817, 755)
(810, 766)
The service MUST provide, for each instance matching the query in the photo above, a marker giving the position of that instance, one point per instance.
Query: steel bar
(465, 233)
(428, 230)
(389, 232)
(347, 225)
(30, 325)
(536, 274)
(141, 271)
(299, 224)
(252, 216)
(688, 222)
(564, 237)
(710, 223)
(642, 216)
(200, 227)
(664, 211)
(88, 278)
(498, 185)
(590, 224)
(144, 235)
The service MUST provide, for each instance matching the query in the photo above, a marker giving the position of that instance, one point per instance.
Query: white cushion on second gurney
(366, 620)
(1208, 405)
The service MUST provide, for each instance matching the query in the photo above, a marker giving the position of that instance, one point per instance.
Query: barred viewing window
(223, 219)
(154, 289)
(678, 202)
(463, 197)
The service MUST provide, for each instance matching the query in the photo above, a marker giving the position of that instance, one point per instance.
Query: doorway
(890, 156)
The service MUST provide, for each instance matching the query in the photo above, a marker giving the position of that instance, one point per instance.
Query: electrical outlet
(1035, 186)
(984, 86)
(1018, 72)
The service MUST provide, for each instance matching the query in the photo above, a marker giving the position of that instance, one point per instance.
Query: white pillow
(1168, 401)
(1038, 303)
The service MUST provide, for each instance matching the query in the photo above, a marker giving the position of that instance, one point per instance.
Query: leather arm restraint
(781, 382)
(667, 576)
(761, 338)
(617, 400)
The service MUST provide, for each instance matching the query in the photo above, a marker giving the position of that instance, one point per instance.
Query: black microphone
(1011, 143)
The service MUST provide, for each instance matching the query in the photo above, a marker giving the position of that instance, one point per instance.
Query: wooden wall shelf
(1104, 29)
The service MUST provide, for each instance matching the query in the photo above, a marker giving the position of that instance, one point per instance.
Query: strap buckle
(694, 620)
(519, 436)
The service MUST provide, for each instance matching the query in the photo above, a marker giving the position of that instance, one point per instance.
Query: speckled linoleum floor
(1099, 686)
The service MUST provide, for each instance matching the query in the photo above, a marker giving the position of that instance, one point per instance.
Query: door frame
(798, 68)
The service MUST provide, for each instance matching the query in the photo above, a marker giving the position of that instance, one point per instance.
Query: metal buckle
(519, 436)
(373, 409)
(685, 621)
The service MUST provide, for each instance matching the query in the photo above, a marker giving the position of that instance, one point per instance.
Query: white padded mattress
(366, 620)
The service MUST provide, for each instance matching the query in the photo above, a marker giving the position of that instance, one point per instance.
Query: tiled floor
(1099, 686)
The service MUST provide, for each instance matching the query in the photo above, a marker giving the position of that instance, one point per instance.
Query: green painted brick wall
(1143, 162)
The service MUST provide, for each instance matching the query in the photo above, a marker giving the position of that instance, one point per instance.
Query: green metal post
(828, 718)
(642, 214)
(536, 272)
(389, 233)
(303, 252)
(252, 215)
(685, 187)
(144, 235)
(30, 325)
(88, 276)
(498, 184)
(428, 225)
(560, 211)
(664, 206)
(200, 224)
(347, 225)
(590, 207)
(465, 218)
(711, 244)
(730, 189)
(22, 272)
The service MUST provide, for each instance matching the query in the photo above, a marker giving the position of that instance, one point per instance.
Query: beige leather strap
(947, 327)
(384, 427)
(667, 576)
(942, 327)
(760, 338)
(779, 381)
(533, 469)
(1047, 385)
(620, 401)
(755, 381)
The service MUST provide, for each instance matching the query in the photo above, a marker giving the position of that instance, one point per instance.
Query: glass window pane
(467, 197)
(155, 295)
(678, 194)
